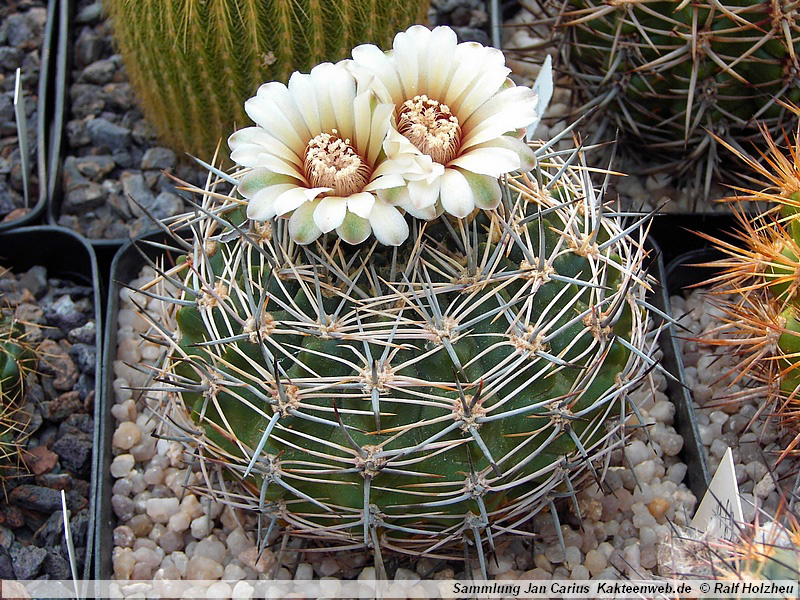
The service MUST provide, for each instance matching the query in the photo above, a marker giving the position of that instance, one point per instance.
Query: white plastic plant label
(543, 86)
(720, 511)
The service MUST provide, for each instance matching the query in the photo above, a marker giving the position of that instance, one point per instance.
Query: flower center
(332, 162)
(431, 127)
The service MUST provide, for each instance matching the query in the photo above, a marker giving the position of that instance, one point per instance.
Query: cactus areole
(410, 398)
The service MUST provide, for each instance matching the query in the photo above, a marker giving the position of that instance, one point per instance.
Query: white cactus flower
(457, 113)
(315, 156)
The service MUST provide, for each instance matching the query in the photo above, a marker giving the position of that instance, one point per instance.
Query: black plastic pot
(675, 232)
(50, 111)
(125, 266)
(66, 255)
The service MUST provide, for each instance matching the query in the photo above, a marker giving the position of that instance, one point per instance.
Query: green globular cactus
(416, 398)
(193, 64)
(760, 272)
(665, 74)
(17, 359)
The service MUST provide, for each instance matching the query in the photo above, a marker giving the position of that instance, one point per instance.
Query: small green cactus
(761, 271)
(416, 398)
(17, 359)
(193, 64)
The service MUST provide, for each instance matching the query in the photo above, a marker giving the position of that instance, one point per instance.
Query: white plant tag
(543, 87)
(720, 511)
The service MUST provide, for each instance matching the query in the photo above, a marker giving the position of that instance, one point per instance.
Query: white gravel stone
(201, 567)
(121, 465)
(161, 509)
(201, 527)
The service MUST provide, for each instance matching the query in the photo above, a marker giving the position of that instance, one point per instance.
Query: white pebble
(179, 522)
(121, 465)
(201, 567)
(219, 590)
(200, 527)
(161, 509)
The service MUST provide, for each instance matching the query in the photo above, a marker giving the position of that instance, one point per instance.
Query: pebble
(127, 435)
(161, 509)
(202, 567)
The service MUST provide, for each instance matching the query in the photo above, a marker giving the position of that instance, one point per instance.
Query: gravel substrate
(56, 415)
(21, 35)
(113, 163)
(161, 536)
(725, 411)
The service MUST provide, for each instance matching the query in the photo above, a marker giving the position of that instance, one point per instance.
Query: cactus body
(416, 398)
(17, 359)
(667, 73)
(761, 270)
(193, 64)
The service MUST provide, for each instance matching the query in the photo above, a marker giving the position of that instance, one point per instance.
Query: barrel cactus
(193, 64)
(759, 272)
(667, 73)
(411, 398)
(436, 386)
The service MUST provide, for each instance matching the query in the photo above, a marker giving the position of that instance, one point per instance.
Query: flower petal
(388, 225)
(511, 109)
(487, 161)
(354, 229)
(301, 224)
(485, 189)
(435, 73)
(374, 60)
(423, 194)
(251, 142)
(258, 179)
(479, 74)
(457, 196)
(261, 206)
(406, 45)
(295, 197)
(360, 204)
(302, 90)
(273, 109)
(330, 213)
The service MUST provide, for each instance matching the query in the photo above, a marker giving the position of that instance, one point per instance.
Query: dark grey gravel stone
(100, 71)
(166, 205)
(89, 13)
(49, 534)
(123, 158)
(6, 537)
(35, 280)
(85, 100)
(85, 357)
(85, 386)
(85, 334)
(158, 158)
(84, 198)
(25, 29)
(56, 566)
(88, 47)
(6, 567)
(95, 167)
(106, 134)
(77, 135)
(29, 562)
(136, 192)
(11, 58)
(75, 453)
(64, 314)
